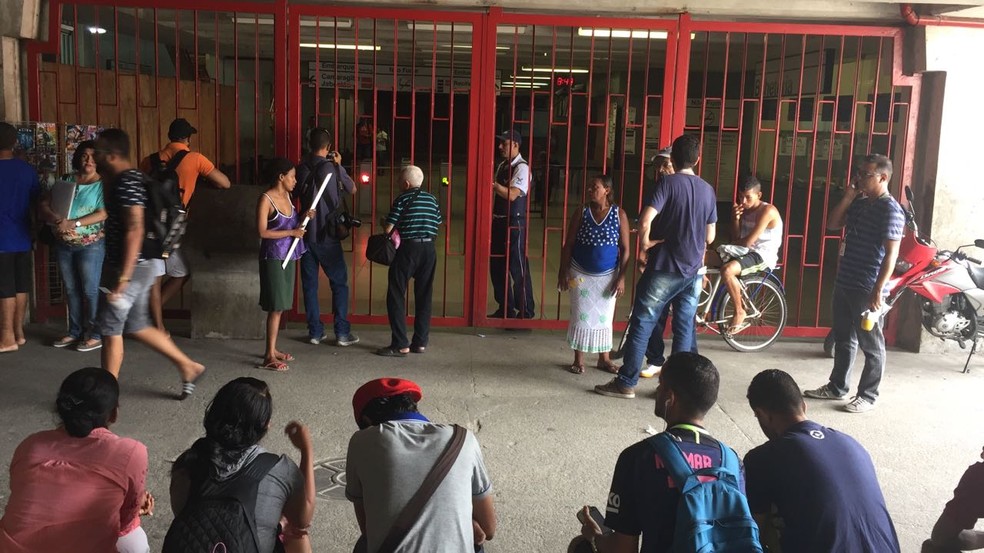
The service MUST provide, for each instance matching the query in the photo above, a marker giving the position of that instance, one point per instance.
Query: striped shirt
(870, 222)
(422, 216)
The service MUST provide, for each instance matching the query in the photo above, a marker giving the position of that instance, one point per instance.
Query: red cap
(383, 387)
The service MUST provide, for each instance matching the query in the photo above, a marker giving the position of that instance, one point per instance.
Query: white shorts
(175, 265)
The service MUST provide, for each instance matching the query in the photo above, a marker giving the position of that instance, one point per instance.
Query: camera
(349, 221)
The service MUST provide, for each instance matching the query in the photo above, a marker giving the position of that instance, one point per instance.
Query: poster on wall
(74, 135)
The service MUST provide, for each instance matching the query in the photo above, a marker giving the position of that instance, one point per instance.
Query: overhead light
(68, 28)
(97, 30)
(621, 33)
(461, 28)
(340, 46)
(531, 77)
(554, 70)
(521, 85)
(502, 48)
(306, 22)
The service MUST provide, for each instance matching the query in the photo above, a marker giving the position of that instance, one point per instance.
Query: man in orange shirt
(189, 169)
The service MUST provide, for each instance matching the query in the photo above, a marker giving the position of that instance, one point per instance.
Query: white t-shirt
(385, 467)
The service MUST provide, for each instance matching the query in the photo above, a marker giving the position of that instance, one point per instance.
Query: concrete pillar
(949, 193)
(11, 96)
(19, 20)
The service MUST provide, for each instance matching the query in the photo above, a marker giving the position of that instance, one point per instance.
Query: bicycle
(765, 304)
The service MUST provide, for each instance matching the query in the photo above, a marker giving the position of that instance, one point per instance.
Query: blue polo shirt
(824, 488)
(686, 205)
(869, 223)
(19, 187)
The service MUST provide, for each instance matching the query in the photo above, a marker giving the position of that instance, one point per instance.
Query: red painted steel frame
(287, 109)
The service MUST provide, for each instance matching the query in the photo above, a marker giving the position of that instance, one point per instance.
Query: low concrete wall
(222, 247)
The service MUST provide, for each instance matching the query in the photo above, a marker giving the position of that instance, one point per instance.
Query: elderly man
(394, 454)
(415, 215)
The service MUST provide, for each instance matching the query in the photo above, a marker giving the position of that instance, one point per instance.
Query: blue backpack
(713, 516)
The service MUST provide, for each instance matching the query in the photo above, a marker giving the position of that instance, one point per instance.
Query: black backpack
(221, 513)
(165, 217)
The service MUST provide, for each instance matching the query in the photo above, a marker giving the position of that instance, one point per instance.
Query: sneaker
(614, 389)
(347, 340)
(650, 371)
(89, 345)
(64, 342)
(315, 341)
(859, 405)
(823, 392)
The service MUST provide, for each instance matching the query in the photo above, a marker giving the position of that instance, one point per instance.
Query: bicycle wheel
(766, 315)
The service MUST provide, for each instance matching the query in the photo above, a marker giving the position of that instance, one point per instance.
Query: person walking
(416, 215)
(80, 249)
(592, 267)
(873, 222)
(278, 224)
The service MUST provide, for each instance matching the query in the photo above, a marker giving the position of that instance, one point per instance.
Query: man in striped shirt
(416, 216)
(873, 222)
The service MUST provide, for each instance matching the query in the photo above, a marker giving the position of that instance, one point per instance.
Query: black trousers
(416, 260)
(515, 295)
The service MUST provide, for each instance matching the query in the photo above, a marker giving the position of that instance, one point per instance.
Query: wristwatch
(78, 223)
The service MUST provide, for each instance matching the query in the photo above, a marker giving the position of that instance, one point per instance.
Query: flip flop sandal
(275, 366)
(575, 369)
(732, 330)
(188, 388)
(285, 357)
(611, 368)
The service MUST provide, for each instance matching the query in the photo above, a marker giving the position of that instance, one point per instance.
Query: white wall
(958, 216)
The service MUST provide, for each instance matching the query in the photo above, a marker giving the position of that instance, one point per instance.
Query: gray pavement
(550, 444)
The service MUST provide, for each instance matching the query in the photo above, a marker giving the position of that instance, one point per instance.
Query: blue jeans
(329, 256)
(656, 348)
(81, 268)
(654, 291)
(848, 335)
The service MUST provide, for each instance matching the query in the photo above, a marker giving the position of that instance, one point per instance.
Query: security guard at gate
(513, 293)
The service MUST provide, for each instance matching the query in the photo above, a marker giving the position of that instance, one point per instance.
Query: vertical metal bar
(256, 94)
(280, 124)
(235, 48)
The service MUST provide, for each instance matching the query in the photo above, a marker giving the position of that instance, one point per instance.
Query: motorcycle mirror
(979, 243)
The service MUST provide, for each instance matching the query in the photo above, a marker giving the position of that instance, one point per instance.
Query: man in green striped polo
(416, 216)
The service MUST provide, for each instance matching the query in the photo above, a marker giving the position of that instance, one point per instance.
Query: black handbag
(380, 247)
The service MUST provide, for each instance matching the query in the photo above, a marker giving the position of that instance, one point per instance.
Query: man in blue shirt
(19, 188)
(819, 483)
(873, 222)
(673, 253)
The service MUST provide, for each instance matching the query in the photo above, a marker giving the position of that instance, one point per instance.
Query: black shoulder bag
(380, 247)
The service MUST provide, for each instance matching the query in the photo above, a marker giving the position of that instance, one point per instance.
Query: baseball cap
(665, 152)
(511, 135)
(382, 387)
(180, 128)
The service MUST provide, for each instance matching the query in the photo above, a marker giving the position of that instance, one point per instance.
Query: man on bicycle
(758, 229)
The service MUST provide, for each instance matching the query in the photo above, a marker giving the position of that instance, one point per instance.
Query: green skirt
(276, 285)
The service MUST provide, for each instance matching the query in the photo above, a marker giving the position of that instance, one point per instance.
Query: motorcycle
(950, 285)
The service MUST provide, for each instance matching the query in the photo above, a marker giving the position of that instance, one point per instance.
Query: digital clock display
(561, 80)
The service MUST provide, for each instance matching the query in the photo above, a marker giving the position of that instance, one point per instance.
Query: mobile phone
(595, 514)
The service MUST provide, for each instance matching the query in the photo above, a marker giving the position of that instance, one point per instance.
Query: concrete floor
(550, 444)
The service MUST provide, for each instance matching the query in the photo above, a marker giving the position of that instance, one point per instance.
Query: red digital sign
(561, 80)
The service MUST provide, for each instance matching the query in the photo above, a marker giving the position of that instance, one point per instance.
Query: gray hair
(413, 175)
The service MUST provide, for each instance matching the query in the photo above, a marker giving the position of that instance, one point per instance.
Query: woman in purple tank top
(278, 224)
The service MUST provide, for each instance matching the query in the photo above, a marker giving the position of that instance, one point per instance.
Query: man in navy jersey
(643, 500)
(872, 221)
(819, 483)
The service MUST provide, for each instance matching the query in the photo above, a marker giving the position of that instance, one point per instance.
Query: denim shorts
(131, 312)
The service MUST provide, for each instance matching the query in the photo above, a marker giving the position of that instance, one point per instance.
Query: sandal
(609, 367)
(576, 368)
(275, 366)
(283, 356)
(188, 387)
(732, 330)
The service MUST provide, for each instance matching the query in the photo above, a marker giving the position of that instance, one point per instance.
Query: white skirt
(592, 311)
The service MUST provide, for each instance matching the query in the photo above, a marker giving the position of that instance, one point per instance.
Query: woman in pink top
(79, 487)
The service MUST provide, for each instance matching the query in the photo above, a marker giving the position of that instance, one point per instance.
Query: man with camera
(325, 232)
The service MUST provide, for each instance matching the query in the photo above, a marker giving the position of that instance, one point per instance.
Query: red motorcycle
(949, 284)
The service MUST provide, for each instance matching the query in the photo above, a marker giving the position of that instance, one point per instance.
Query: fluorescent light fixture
(502, 48)
(306, 22)
(68, 28)
(621, 33)
(97, 30)
(340, 46)
(531, 77)
(461, 28)
(554, 70)
(521, 86)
